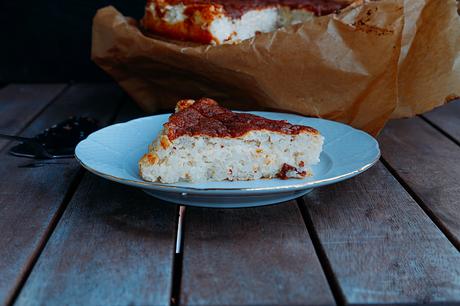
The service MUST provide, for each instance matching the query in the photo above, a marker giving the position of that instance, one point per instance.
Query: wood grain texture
(381, 247)
(125, 257)
(429, 163)
(20, 103)
(254, 256)
(114, 245)
(30, 198)
(447, 118)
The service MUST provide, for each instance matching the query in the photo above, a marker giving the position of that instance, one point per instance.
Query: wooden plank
(447, 118)
(380, 246)
(254, 256)
(429, 163)
(113, 246)
(20, 103)
(30, 198)
(126, 256)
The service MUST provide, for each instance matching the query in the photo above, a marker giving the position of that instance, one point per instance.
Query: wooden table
(67, 237)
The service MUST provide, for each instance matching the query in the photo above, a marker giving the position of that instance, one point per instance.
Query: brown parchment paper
(342, 67)
(429, 72)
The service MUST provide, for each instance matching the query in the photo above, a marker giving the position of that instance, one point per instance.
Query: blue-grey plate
(113, 153)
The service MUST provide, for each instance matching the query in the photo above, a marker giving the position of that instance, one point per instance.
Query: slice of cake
(230, 21)
(203, 141)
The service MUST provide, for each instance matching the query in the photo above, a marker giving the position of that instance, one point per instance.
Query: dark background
(49, 41)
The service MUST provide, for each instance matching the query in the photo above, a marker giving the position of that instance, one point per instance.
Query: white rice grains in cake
(258, 154)
(203, 141)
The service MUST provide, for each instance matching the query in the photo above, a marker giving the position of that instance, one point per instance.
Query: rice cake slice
(203, 141)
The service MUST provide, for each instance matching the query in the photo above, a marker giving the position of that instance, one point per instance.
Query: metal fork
(36, 148)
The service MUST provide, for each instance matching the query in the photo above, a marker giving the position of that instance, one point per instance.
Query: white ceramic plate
(113, 153)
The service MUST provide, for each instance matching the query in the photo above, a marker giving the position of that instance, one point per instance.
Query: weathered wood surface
(126, 256)
(256, 256)
(20, 103)
(429, 163)
(447, 118)
(113, 246)
(31, 197)
(99, 243)
(381, 246)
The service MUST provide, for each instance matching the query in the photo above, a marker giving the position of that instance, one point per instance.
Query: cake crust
(207, 117)
(236, 8)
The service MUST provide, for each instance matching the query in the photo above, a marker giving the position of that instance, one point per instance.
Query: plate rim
(195, 190)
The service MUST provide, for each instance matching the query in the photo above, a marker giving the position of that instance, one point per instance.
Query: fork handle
(17, 138)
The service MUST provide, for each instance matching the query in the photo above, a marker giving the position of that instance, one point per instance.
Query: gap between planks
(422, 204)
(178, 257)
(440, 130)
(321, 254)
(62, 207)
(47, 235)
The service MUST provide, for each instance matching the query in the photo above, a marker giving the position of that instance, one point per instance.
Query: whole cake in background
(203, 141)
(230, 21)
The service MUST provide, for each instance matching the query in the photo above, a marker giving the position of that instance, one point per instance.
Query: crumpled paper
(429, 66)
(373, 61)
